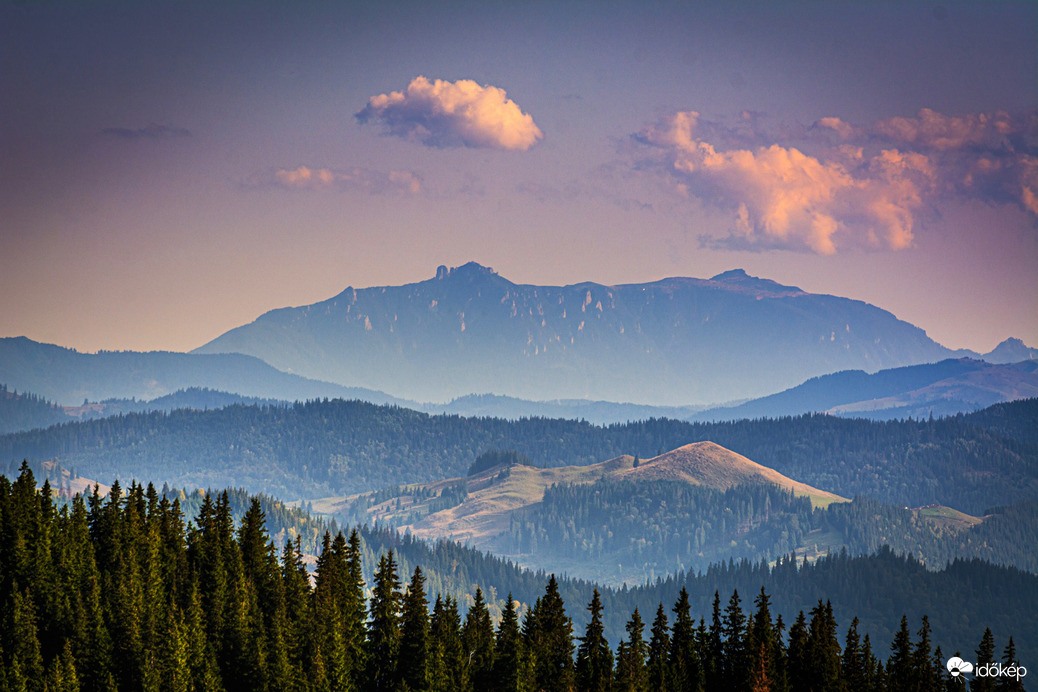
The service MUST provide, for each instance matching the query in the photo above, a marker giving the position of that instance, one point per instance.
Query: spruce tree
(659, 651)
(823, 648)
(353, 609)
(508, 653)
(762, 641)
(1010, 683)
(928, 678)
(552, 642)
(449, 667)
(985, 655)
(798, 662)
(899, 666)
(413, 662)
(594, 667)
(683, 661)
(853, 664)
(477, 634)
(735, 670)
(383, 640)
(629, 675)
(714, 647)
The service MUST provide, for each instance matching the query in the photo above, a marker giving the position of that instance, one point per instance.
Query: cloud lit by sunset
(450, 114)
(885, 151)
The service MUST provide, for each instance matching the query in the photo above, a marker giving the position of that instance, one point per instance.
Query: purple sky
(170, 170)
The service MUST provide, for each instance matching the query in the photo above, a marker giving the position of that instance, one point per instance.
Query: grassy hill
(487, 500)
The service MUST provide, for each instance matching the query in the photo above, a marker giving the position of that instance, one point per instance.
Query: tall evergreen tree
(449, 664)
(735, 670)
(353, 609)
(823, 648)
(508, 650)
(477, 634)
(928, 677)
(985, 655)
(383, 641)
(629, 675)
(853, 665)
(551, 641)
(714, 647)
(413, 662)
(899, 665)
(657, 667)
(683, 661)
(594, 667)
(798, 662)
(1010, 683)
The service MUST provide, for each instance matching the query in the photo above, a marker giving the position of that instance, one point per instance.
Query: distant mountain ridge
(68, 377)
(672, 342)
(939, 389)
(945, 388)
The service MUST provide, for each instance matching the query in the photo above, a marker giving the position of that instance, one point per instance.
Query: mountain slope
(69, 377)
(671, 342)
(491, 496)
(944, 388)
(324, 448)
(624, 521)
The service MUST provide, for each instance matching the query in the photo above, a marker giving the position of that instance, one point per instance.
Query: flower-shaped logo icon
(956, 666)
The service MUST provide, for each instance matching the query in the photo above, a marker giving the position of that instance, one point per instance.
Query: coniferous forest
(126, 592)
(321, 448)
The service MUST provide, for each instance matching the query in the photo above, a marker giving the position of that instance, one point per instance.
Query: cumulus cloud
(453, 114)
(838, 184)
(932, 130)
(362, 179)
(151, 131)
(782, 197)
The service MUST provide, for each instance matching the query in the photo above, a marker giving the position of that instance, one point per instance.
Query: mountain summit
(672, 341)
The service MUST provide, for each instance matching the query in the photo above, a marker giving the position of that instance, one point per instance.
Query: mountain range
(70, 378)
(673, 342)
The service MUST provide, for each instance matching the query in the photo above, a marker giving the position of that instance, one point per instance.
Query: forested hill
(123, 593)
(318, 449)
(25, 411)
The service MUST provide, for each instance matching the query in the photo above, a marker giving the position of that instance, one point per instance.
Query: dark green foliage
(27, 411)
(118, 593)
(985, 654)
(630, 674)
(509, 650)
(660, 527)
(383, 643)
(336, 447)
(684, 673)
(477, 634)
(449, 661)
(549, 639)
(498, 457)
(658, 666)
(594, 668)
(413, 663)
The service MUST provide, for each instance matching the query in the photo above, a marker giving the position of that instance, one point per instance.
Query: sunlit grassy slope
(494, 494)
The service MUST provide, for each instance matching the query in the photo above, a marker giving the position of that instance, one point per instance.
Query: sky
(171, 170)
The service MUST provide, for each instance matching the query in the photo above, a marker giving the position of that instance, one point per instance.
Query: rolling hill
(489, 497)
(68, 377)
(626, 521)
(940, 389)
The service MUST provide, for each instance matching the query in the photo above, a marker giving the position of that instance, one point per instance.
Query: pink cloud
(782, 197)
(451, 114)
(362, 179)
